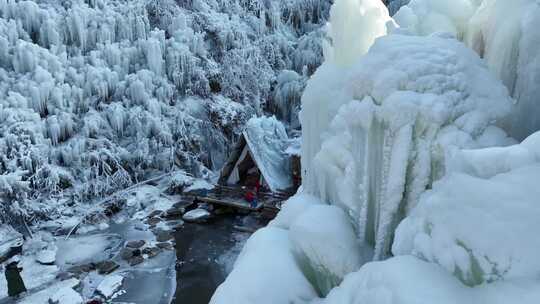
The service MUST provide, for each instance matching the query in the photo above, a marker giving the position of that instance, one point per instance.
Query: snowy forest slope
(95, 95)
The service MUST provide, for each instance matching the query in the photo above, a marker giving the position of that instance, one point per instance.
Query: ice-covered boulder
(46, 256)
(265, 272)
(110, 285)
(480, 222)
(196, 215)
(325, 246)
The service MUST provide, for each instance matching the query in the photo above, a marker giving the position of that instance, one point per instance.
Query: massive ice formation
(502, 32)
(413, 132)
(489, 198)
(477, 226)
(390, 123)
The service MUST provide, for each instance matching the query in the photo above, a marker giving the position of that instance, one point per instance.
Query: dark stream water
(205, 253)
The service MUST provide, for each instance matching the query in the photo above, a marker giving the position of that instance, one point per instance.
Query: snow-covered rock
(110, 285)
(325, 246)
(196, 215)
(46, 257)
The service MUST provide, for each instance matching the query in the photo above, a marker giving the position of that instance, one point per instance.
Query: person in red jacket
(251, 196)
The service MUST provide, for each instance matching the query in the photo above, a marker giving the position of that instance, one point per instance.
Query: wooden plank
(233, 204)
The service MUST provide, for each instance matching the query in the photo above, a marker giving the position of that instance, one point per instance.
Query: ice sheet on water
(88, 248)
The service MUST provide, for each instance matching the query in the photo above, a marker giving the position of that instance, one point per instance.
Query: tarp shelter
(260, 147)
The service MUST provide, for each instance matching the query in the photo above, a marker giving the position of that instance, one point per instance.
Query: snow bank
(265, 272)
(325, 246)
(502, 33)
(496, 204)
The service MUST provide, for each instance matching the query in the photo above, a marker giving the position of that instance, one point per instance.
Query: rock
(198, 215)
(174, 212)
(114, 207)
(80, 269)
(127, 253)
(152, 221)
(46, 257)
(163, 236)
(156, 213)
(136, 260)
(110, 285)
(165, 245)
(175, 224)
(61, 276)
(135, 244)
(106, 267)
(151, 251)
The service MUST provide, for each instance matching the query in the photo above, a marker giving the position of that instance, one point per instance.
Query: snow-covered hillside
(96, 95)
(413, 191)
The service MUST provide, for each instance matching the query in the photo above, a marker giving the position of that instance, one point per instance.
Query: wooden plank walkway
(230, 202)
(233, 197)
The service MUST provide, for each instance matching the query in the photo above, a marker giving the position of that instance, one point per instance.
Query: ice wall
(502, 32)
(394, 115)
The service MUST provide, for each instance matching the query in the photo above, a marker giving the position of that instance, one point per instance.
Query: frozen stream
(205, 255)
